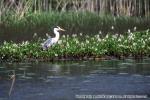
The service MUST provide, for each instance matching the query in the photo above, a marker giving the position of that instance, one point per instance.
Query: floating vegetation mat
(136, 44)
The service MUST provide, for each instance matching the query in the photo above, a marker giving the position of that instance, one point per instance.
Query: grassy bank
(74, 22)
(97, 46)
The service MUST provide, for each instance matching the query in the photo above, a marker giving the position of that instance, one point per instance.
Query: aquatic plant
(80, 47)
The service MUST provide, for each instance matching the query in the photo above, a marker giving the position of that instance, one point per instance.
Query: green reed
(73, 22)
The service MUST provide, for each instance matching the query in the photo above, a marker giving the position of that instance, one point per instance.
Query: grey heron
(51, 41)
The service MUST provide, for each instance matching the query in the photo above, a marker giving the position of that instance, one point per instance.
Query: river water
(71, 80)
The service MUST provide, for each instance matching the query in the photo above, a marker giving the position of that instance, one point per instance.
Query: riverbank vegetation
(72, 47)
(19, 29)
(21, 19)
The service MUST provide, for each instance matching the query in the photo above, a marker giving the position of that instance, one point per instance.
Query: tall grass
(20, 20)
(73, 22)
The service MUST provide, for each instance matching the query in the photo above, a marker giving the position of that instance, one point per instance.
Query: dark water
(69, 80)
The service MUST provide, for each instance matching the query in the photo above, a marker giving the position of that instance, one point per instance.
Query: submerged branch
(13, 77)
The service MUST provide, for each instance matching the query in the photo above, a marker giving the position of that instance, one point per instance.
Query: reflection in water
(62, 80)
(13, 77)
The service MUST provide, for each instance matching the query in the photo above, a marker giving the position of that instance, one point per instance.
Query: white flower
(34, 35)
(15, 45)
(44, 39)
(114, 36)
(56, 55)
(13, 50)
(59, 41)
(76, 41)
(131, 36)
(106, 36)
(134, 44)
(114, 18)
(74, 35)
(129, 31)
(87, 36)
(87, 41)
(63, 36)
(81, 34)
(103, 40)
(147, 30)
(99, 39)
(119, 39)
(5, 42)
(112, 27)
(135, 28)
(100, 32)
(97, 36)
(121, 36)
(68, 44)
(96, 49)
(24, 43)
(82, 44)
(125, 41)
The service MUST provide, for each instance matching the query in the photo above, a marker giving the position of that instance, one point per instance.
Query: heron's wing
(47, 43)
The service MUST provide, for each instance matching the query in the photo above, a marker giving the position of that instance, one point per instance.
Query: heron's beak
(62, 29)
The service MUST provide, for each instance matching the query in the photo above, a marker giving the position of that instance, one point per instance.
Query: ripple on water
(41, 78)
(111, 71)
(52, 70)
(123, 73)
(147, 76)
(75, 64)
(86, 81)
(125, 64)
(90, 76)
(25, 63)
(54, 77)
(75, 88)
(98, 65)
(130, 60)
(31, 74)
(82, 65)
(25, 77)
(137, 75)
(47, 80)
(3, 98)
(93, 75)
(147, 60)
(108, 68)
(84, 90)
(1, 67)
(96, 71)
(70, 78)
(22, 68)
(26, 66)
(123, 67)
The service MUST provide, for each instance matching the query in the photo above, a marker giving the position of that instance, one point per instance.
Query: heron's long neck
(56, 34)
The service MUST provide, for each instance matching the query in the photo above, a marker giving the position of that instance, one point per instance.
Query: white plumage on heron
(51, 41)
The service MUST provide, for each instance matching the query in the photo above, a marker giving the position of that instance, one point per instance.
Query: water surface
(65, 80)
